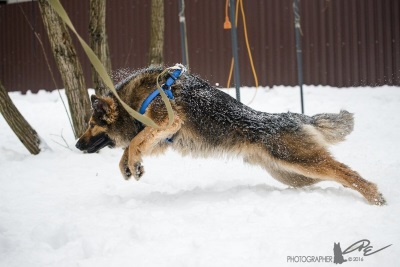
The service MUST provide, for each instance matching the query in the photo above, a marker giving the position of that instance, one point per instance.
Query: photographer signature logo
(364, 246)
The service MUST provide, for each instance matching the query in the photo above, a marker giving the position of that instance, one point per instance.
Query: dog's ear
(98, 104)
(106, 108)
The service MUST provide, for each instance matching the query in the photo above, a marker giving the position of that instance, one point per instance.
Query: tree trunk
(69, 67)
(157, 32)
(26, 134)
(98, 41)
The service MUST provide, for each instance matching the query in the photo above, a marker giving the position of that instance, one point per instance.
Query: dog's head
(104, 114)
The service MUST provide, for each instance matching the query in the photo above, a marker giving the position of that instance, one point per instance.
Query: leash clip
(178, 70)
(179, 66)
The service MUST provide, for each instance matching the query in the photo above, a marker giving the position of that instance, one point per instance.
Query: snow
(66, 208)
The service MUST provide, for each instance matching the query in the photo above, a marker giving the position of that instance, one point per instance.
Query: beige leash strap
(106, 78)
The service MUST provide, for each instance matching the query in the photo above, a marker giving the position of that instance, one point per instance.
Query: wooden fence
(345, 42)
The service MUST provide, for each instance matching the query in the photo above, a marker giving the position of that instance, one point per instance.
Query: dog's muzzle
(95, 143)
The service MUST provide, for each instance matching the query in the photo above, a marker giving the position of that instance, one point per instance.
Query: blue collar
(166, 88)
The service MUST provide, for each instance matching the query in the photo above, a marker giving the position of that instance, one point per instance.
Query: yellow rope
(240, 2)
(247, 43)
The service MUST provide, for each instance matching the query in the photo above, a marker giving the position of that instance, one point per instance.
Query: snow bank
(65, 208)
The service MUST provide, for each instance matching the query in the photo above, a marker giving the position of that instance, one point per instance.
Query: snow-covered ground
(66, 208)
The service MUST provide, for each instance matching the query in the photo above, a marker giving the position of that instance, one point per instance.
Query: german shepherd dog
(208, 122)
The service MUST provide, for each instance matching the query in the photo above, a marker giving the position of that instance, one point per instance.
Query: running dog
(208, 122)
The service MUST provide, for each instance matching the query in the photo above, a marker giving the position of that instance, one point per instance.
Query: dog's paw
(379, 200)
(126, 173)
(138, 170)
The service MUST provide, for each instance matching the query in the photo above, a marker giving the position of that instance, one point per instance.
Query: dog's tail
(334, 127)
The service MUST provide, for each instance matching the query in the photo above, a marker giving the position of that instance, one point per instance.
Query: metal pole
(182, 22)
(234, 49)
(298, 49)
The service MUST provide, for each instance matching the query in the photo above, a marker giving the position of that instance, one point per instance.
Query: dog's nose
(78, 145)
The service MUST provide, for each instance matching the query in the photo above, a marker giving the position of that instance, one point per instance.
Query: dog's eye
(91, 125)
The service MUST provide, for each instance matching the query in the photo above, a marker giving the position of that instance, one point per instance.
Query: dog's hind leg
(303, 153)
(310, 165)
(329, 169)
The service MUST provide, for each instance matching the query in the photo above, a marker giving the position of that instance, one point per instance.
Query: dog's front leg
(123, 165)
(142, 144)
(138, 146)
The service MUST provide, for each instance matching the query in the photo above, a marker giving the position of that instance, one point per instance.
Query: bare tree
(98, 41)
(69, 67)
(157, 33)
(26, 134)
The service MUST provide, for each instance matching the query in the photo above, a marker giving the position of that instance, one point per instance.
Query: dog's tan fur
(291, 147)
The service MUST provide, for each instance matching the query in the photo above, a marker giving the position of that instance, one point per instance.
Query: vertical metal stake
(33, 14)
(182, 23)
(234, 49)
(299, 51)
